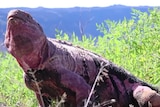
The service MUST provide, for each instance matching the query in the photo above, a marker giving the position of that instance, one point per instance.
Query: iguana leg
(43, 101)
(76, 83)
(144, 95)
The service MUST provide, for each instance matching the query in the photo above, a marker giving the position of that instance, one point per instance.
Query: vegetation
(133, 44)
(13, 91)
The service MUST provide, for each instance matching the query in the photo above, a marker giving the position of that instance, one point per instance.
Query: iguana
(53, 67)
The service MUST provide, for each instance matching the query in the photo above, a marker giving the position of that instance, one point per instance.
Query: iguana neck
(36, 58)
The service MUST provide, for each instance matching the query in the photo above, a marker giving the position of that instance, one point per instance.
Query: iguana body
(53, 67)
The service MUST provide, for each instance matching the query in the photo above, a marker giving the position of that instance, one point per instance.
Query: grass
(13, 91)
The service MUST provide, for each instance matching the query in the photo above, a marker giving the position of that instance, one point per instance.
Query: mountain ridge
(81, 20)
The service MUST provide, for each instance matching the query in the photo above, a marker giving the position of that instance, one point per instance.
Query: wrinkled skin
(52, 68)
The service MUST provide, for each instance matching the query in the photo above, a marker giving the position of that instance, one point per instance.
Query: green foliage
(133, 44)
(13, 91)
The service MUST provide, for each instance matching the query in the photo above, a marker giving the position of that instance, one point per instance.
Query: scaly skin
(53, 67)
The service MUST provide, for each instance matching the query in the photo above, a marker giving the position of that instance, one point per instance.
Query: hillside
(79, 20)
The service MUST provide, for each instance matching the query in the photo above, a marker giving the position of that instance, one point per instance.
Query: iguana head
(24, 38)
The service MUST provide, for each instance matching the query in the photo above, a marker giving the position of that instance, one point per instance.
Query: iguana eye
(28, 16)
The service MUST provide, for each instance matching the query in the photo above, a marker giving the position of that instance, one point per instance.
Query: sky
(74, 3)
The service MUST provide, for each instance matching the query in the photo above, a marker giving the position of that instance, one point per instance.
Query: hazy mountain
(79, 20)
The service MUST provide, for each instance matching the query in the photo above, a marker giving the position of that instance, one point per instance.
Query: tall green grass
(132, 44)
(13, 91)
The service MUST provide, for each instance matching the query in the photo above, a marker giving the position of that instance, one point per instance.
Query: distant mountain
(79, 20)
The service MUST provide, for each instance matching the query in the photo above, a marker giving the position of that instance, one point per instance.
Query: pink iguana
(54, 67)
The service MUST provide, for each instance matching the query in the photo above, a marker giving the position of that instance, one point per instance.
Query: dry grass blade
(98, 78)
(64, 96)
(37, 85)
